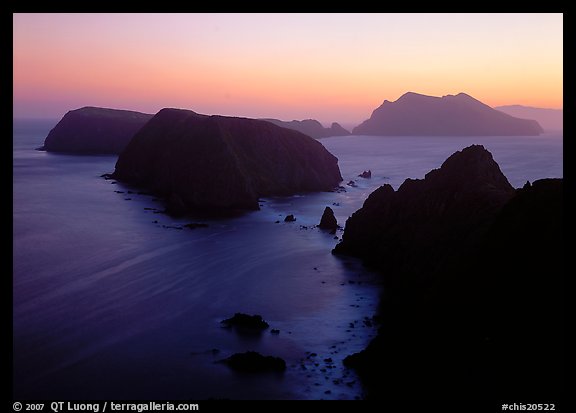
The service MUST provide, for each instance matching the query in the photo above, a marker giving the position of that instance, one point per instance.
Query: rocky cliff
(473, 272)
(92, 130)
(218, 163)
(413, 230)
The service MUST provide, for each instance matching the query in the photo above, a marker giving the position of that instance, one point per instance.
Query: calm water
(110, 304)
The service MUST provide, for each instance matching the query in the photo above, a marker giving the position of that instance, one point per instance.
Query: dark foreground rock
(414, 114)
(328, 220)
(481, 317)
(220, 164)
(92, 130)
(311, 127)
(246, 321)
(411, 231)
(253, 362)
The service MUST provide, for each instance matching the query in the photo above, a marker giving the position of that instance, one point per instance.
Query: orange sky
(331, 67)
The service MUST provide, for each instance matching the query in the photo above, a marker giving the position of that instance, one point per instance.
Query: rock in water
(460, 115)
(91, 130)
(366, 174)
(253, 362)
(416, 227)
(290, 218)
(219, 164)
(328, 220)
(241, 320)
(194, 225)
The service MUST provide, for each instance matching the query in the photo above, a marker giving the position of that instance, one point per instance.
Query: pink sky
(331, 67)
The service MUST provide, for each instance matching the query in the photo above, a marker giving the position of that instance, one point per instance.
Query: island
(311, 127)
(92, 130)
(414, 114)
(551, 120)
(218, 164)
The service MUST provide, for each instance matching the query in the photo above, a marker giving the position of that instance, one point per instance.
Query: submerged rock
(253, 362)
(194, 225)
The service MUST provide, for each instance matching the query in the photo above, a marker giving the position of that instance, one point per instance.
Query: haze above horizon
(329, 67)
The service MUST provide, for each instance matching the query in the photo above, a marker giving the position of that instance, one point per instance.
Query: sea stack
(328, 220)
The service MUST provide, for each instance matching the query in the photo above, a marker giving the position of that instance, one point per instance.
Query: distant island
(550, 119)
(218, 164)
(311, 127)
(414, 114)
(92, 130)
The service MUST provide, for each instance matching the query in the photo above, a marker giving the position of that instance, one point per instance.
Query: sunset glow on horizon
(330, 67)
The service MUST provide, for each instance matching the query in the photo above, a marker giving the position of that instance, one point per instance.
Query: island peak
(414, 114)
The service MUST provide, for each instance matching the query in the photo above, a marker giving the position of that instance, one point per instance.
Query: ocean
(114, 300)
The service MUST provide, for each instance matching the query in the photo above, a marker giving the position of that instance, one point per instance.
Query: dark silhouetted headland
(92, 130)
(311, 127)
(473, 274)
(219, 164)
(411, 230)
(452, 115)
(549, 119)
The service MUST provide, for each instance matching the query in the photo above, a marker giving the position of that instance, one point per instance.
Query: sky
(329, 67)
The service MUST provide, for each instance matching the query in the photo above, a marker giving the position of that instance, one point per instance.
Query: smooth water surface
(113, 300)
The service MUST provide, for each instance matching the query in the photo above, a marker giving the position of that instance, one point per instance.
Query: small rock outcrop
(328, 220)
(290, 218)
(92, 130)
(366, 174)
(194, 225)
(246, 321)
(254, 362)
